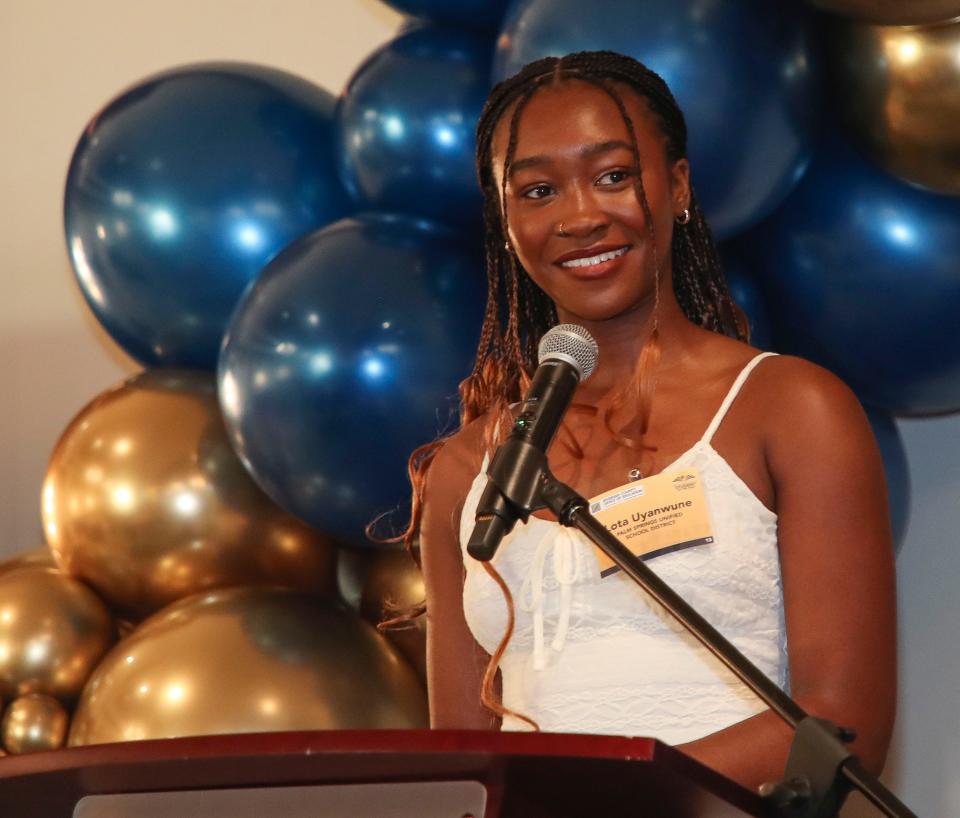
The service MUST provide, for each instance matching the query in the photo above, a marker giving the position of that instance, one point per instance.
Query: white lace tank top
(592, 655)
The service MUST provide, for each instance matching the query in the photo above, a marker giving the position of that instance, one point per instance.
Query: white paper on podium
(435, 799)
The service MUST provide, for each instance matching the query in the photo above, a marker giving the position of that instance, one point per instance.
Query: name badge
(655, 516)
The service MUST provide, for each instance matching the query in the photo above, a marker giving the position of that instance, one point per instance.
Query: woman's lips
(596, 265)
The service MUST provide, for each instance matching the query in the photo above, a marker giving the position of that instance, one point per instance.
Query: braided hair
(518, 312)
(507, 355)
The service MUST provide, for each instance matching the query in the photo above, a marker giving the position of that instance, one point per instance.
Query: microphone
(567, 355)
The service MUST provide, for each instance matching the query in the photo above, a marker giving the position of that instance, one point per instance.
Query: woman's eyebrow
(583, 152)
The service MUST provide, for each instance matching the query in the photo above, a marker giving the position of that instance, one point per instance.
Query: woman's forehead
(572, 112)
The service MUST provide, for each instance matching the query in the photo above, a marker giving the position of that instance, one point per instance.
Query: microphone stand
(820, 770)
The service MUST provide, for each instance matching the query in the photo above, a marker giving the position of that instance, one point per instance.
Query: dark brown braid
(506, 353)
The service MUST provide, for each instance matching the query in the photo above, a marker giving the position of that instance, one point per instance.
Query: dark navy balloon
(346, 355)
(861, 275)
(406, 125)
(741, 71)
(746, 293)
(897, 474)
(182, 188)
(482, 14)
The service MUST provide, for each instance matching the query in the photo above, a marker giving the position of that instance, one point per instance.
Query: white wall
(60, 61)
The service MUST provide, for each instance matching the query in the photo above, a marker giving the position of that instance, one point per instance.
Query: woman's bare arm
(838, 575)
(455, 662)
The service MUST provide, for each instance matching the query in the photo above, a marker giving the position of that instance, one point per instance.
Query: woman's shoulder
(785, 381)
(463, 451)
(778, 378)
(457, 462)
(806, 412)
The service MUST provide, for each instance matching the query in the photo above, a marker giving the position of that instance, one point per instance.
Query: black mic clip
(513, 492)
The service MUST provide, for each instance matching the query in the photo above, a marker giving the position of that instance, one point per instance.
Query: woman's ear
(680, 185)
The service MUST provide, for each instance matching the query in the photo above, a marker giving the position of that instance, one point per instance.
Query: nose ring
(561, 231)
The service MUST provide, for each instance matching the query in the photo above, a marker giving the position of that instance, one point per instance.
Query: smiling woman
(591, 218)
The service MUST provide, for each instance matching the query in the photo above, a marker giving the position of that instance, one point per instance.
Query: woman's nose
(582, 219)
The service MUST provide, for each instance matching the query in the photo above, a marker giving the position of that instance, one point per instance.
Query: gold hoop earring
(684, 218)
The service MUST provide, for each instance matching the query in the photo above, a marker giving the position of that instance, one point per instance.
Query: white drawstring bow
(566, 568)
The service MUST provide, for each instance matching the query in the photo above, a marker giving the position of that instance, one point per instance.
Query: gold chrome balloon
(248, 660)
(53, 631)
(901, 98)
(35, 558)
(894, 12)
(34, 723)
(392, 589)
(145, 500)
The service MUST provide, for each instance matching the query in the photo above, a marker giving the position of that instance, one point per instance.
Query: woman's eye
(537, 192)
(614, 177)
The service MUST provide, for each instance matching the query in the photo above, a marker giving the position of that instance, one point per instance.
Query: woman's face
(573, 216)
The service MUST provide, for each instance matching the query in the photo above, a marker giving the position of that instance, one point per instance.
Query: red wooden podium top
(526, 774)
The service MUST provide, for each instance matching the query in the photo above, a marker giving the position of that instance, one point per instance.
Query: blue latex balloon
(747, 294)
(897, 473)
(345, 356)
(860, 272)
(741, 72)
(406, 125)
(481, 14)
(180, 191)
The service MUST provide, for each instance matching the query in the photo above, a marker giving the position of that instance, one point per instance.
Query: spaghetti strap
(732, 395)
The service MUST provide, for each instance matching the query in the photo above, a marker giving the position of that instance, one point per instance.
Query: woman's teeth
(587, 262)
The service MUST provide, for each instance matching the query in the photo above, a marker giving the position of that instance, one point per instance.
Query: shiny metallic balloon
(860, 274)
(406, 124)
(744, 74)
(894, 12)
(896, 471)
(746, 294)
(900, 92)
(248, 660)
(36, 558)
(182, 188)
(34, 723)
(343, 358)
(53, 631)
(145, 499)
(392, 589)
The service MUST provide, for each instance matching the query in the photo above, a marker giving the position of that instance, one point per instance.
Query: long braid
(506, 354)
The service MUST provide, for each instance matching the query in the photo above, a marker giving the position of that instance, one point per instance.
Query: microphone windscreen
(570, 343)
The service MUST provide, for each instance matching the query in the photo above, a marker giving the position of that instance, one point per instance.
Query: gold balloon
(393, 586)
(53, 631)
(36, 558)
(901, 98)
(145, 499)
(248, 660)
(894, 12)
(34, 723)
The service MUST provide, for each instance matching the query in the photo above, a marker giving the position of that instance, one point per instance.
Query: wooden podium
(375, 773)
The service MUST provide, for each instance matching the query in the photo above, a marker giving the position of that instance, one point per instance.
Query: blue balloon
(741, 71)
(406, 125)
(860, 273)
(896, 470)
(747, 294)
(483, 14)
(183, 188)
(345, 356)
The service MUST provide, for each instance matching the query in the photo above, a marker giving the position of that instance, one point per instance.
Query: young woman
(591, 219)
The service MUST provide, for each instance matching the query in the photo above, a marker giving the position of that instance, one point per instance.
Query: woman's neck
(620, 341)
